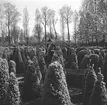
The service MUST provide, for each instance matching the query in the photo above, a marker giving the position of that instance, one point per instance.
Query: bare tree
(21, 36)
(52, 22)
(2, 24)
(37, 31)
(26, 24)
(37, 17)
(45, 18)
(76, 17)
(11, 16)
(67, 15)
(62, 23)
(15, 34)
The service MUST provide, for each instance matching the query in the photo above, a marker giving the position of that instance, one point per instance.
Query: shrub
(55, 91)
(4, 76)
(42, 65)
(94, 60)
(32, 84)
(3, 85)
(12, 67)
(19, 61)
(71, 60)
(13, 96)
(81, 54)
(85, 62)
(99, 94)
(38, 70)
(90, 80)
(105, 70)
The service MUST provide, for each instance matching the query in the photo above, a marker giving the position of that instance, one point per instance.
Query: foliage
(93, 21)
(67, 13)
(25, 24)
(11, 15)
(55, 87)
(99, 92)
(13, 96)
(90, 80)
(4, 76)
(38, 32)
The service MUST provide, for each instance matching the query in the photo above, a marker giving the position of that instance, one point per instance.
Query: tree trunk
(50, 30)
(68, 31)
(39, 38)
(45, 33)
(63, 37)
(55, 32)
(8, 34)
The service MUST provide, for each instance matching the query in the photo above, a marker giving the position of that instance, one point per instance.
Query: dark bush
(85, 62)
(81, 54)
(90, 80)
(32, 84)
(99, 94)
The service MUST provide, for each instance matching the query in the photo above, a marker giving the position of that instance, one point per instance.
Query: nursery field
(58, 75)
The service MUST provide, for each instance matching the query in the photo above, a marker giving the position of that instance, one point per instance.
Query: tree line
(92, 25)
(45, 18)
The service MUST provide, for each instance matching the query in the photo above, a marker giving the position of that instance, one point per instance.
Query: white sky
(32, 5)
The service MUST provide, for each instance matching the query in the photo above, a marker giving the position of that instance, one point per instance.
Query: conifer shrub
(12, 67)
(90, 80)
(19, 61)
(79, 49)
(71, 60)
(42, 65)
(13, 95)
(58, 58)
(99, 94)
(55, 91)
(4, 76)
(94, 60)
(81, 54)
(38, 70)
(32, 84)
(4, 64)
(64, 51)
(105, 70)
(49, 54)
(85, 62)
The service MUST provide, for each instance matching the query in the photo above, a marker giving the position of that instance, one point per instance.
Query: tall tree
(45, 18)
(21, 36)
(2, 23)
(76, 17)
(37, 30)
(26, 24)
(62, 24)
(97, 10)
(52, 22)
(15, 34)
(67, 15)
(102, 12)
(11, 15)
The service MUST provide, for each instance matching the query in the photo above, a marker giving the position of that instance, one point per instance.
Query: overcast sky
(32, 5)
